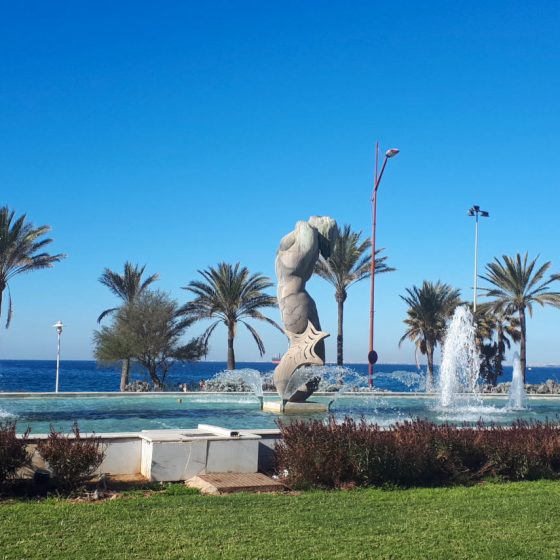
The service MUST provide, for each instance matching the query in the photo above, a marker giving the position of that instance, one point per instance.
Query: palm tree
(500, 329)
(19, 246)
(349, 262)
(127, 287)
(230, 294)
(429, 308)
(507, 331)
(516, 285)
(485, 323)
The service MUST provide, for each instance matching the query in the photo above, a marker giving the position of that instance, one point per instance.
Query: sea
(88, 376)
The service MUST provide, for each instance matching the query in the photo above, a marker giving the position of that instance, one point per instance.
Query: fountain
(253, 379)
(460, 399)
(517, 394)
(328, 378)
(237, 378)
(460, 364)
(301, 376)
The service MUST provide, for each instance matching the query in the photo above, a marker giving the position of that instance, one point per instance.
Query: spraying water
(327, 378)
(253, 379)
(238, 380)
(300, 377)
(460, 364)
(517, 394)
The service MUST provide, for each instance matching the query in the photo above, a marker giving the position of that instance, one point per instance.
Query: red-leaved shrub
(13, 450)
(331, 454)
(72, 460)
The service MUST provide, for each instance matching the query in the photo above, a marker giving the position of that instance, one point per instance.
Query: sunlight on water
(6, 414)
(473, 414)
(413, 381)
(222, 399)
(242, 411)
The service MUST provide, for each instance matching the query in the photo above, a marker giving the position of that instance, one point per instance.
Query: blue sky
(179, 134)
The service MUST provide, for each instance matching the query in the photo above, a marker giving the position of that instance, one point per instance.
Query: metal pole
(475, 260)
(372, 295)
(372, 356)
(57, 362)
(377, 181)
(372, 271)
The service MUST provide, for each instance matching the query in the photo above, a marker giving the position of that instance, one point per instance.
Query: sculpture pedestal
(308, 407)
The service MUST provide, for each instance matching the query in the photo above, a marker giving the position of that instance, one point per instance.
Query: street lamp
(372, 355)
(476, 212)
(58, 326)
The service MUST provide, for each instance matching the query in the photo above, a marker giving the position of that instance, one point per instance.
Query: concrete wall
(174, 455)
(267, 443)
(123, 453)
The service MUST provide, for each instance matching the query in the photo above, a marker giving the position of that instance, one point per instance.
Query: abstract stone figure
(302, 351)
(295, 261)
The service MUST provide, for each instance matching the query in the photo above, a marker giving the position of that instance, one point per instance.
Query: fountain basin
(114, 412)
(171, 455)
(177, 455)
(307, 407)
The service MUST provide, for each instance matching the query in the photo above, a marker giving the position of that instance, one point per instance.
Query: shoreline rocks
(549, 387)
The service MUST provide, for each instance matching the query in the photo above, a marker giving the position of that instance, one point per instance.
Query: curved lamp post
(58, 326)
(476, 212)
(372, 355)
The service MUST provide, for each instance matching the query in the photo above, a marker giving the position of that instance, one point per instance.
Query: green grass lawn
(512, 521)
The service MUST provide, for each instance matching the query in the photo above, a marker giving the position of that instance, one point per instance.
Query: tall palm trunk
(430, 357)
(230, 350)
(523, 342)
(340, 298)
(125, 373)
(500, 351)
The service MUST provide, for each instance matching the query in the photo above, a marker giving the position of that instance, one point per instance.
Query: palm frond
(429, 307)
(257, 338)
(257, 315)
(349, 261)
(229, 293)
(21, 250)
(10, 308)
(126, 286)
(105, 313)
(516, 283)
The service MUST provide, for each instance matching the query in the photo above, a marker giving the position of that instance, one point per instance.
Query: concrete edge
(357, 394)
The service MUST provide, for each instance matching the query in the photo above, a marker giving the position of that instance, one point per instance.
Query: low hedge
(417, 453)
(72, 460)
(13, 450)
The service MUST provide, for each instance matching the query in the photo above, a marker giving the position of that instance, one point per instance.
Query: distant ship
(276, 359)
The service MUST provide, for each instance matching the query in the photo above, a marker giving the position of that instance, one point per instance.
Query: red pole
(373, 233)
(372, 286)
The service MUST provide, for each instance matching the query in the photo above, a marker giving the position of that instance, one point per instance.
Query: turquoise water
(142, 412)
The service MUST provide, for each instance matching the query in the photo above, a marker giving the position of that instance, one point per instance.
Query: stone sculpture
(295, 261)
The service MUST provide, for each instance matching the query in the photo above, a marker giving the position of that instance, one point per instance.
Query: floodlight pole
(476, 212)
(475, 261)
(372, 356)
